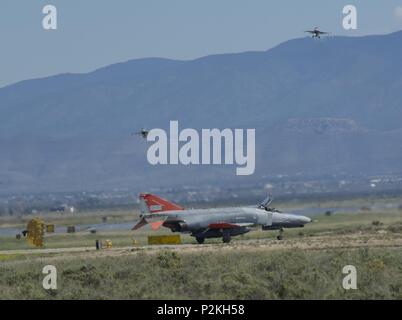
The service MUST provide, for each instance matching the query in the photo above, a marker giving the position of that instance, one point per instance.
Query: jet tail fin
(151, 203)
(152, 211)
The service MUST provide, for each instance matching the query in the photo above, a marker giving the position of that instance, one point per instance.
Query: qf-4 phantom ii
(214, 223)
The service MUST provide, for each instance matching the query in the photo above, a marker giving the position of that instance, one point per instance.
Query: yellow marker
(171, 239)
(108, 244)
(36, 232)
(50, 228)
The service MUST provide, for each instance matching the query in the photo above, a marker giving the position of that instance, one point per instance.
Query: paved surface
(306, 243)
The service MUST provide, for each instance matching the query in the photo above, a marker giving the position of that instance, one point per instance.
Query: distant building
(63, 208)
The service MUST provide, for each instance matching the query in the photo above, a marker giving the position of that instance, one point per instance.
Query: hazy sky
(95, 33)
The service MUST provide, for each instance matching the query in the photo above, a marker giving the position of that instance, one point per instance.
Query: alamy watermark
(50, 280)
(349, 22)
(350, 280)
(189, 147)
(49, 21)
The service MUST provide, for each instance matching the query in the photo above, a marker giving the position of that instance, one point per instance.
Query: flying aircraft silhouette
(317, 33)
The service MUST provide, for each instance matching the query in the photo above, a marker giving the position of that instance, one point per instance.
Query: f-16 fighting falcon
(214, 223)
(143, 133)
(316, 32)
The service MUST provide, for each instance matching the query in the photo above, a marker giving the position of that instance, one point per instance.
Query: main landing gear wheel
(280, 236)
(226, 237)
(200, 240)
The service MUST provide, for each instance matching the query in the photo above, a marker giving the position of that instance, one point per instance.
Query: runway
(322, 242)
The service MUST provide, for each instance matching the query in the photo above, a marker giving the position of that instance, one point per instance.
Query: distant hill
(329, 106)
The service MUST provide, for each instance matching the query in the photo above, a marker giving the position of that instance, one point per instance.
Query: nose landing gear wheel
(200, 240)
(280, 236)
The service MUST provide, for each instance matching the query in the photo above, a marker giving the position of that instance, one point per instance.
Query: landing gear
(280, 236)
(226, 237)
(200, 240)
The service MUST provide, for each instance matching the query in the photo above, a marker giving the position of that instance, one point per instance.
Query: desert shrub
(86, 275)
(377, 223)
(168, 260)
(395, 228)
(234, 274)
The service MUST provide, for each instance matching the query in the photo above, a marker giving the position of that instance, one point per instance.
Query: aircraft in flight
(214, 223)
(143, 132)
(316, 32)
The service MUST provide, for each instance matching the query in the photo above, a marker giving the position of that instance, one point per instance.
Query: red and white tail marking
(156, 225)
(155, 204)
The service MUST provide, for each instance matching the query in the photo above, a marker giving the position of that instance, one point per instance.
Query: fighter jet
(316, 33)
(214, 223)
(143, 132)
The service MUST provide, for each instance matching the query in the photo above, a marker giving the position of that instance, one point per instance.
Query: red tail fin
(156, 204)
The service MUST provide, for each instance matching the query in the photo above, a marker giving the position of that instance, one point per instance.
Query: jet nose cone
(305, 220)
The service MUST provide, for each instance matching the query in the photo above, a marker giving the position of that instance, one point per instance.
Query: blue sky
(95, 33)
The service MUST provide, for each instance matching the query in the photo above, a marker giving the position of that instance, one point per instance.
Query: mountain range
(331, 106)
